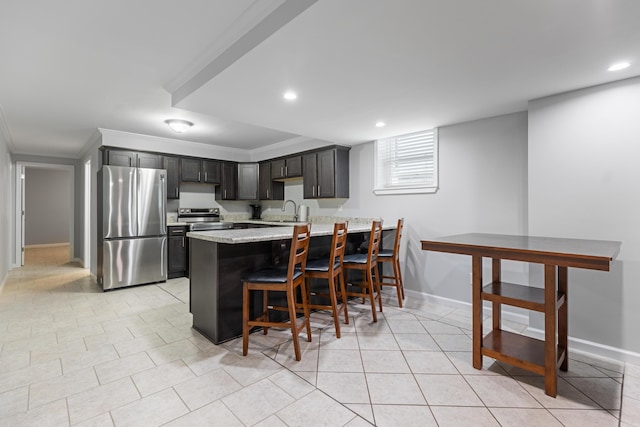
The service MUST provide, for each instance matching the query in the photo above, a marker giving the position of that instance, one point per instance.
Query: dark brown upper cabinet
(228, 188)
(199, 170)
(135, 159)
(267, 188)
(326, 174)
(289, 167)
(172, 165)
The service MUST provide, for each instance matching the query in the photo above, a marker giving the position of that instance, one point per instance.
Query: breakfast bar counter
(219, 259)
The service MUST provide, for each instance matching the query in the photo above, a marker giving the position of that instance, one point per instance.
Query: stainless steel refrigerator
(132, 229)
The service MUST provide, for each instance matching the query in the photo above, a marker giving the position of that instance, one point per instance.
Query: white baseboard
(47, 245)
(506, 314)
(593, 348)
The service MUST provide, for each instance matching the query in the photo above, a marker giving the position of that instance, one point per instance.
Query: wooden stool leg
(343, 294)
(369, 281)
(265, 310)
(245, 320)
(334, 304)
(291, 302)
(397, 264)
(305, 309)
(378, 286)
(396, 274)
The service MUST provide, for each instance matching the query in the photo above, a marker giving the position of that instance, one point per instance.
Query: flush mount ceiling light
(380, 124)
(178, 125)
(290, 95)
(619, 66)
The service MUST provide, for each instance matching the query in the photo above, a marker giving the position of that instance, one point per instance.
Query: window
(407, 163)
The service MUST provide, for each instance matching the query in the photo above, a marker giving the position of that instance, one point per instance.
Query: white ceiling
(70, 67)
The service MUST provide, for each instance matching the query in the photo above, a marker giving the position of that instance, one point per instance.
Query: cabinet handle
(313, 191)
(318, 190)
(198, 176)
(176, 191)
(183, 242)
(267, 193)
(281, 170)
(286, 170)
(225, 194)
(205, 176)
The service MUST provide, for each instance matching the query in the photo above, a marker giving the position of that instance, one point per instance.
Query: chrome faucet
(295, 209)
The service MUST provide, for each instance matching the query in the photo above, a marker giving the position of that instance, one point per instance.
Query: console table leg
(496, 307)
(563, 323)
(550, 349)
(476, 303)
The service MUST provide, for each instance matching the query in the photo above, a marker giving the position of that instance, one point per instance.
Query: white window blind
(407, 163)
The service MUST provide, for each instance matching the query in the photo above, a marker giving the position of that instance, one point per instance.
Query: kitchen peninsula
(219, 259)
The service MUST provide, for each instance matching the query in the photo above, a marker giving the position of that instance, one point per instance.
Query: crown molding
(4, 130)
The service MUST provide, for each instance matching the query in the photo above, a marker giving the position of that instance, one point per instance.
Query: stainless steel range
(202, 219)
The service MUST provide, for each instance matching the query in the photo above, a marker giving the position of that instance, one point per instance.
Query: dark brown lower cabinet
(178, 252)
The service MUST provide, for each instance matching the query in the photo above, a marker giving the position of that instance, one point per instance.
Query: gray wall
(47, 206)
(583, 183)
(6, 223)
(483, 188)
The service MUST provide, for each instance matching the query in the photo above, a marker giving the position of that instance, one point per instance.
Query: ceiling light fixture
(178, 125)
(290, 96)
(619, 66)
(380, 124)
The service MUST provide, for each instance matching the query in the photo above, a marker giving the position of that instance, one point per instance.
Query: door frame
(20, 189)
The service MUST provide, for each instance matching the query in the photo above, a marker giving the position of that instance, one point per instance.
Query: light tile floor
(73, 355)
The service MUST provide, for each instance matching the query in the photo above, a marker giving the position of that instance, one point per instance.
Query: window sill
(387, 191)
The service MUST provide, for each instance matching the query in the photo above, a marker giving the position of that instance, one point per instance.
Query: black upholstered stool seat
(271, 275)
(356, 259)
(321, 265)
(385, 253)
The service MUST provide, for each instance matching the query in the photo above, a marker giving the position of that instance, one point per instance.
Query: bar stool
(393, 256)
(367, 264)
(330, 269)
(281, 280)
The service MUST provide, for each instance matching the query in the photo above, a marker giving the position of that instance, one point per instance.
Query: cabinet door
(264, 181)
(293, 166)
(310, 177)
(190, 170)
(277, 169)
(247, 181)
(177, 252)
(211, 171)
(120, 158)
(326, 173)
(172, 165)
(149, 161)
(227, 190)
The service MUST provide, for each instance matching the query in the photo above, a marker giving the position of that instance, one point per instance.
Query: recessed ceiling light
(619, 66)
(290, 95)
(380, 124)
(178, 125)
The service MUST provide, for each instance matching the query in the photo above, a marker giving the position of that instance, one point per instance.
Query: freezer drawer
(128, 262)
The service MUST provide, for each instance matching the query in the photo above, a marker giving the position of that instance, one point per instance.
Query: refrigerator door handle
(163, 200)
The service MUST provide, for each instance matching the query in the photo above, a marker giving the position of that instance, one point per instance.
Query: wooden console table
(541, 357)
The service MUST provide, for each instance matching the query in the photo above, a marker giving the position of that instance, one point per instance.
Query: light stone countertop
(281, 232)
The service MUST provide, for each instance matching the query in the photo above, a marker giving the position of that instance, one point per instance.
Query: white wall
(5, 209)
(584, 172)
(47, 206)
